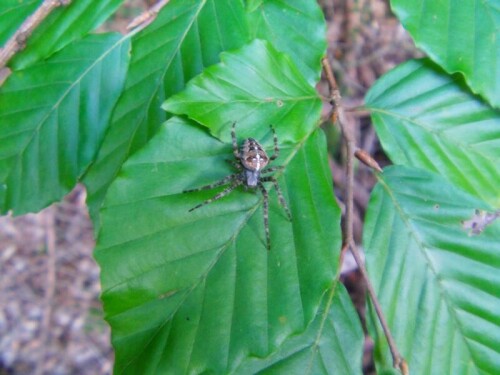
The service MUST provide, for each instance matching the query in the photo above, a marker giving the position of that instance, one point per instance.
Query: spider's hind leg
(220, 195)
(281, 198)
(272, 169)
(224, 181)
(266, 215)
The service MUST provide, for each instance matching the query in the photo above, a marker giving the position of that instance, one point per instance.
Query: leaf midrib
(266, 100)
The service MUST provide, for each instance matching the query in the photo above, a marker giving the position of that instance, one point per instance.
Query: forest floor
(51, 319)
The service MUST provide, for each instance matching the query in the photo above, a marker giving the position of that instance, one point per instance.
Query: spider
(251, 162)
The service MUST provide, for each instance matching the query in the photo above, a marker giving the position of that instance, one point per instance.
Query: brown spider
(251, 161)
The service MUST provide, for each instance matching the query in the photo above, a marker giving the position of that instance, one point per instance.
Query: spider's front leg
(236, 150)
(276, 147)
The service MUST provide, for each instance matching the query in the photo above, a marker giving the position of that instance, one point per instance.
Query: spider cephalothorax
(251, 161)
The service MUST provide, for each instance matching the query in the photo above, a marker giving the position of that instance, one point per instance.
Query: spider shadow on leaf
(251, 161)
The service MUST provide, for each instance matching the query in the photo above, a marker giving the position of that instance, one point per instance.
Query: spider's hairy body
(251, 161)
(253, 158)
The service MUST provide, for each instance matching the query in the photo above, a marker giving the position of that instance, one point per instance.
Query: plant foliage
(428, 119)
(439, 285)
(436, 281)
(141, 118)
(210, 292)
(63, 26)
(461, 36)
(12, 14)
(53, 116)
(165, 55)
(255, 85)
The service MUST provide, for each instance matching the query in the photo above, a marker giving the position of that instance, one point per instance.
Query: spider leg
(235, 164)
(236, 151)
(224, 181)
(266, 215)
(222, 194)
(272, 169)
(280, 194)
(276, 147)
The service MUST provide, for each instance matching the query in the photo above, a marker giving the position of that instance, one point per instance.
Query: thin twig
(397, 360)
(148, 16)
(17, 41)
(367, 160)
(339, 117)
(50, 286)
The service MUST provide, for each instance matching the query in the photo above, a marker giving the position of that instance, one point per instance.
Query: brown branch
(148, 16)
(17, 41)
(339, 117)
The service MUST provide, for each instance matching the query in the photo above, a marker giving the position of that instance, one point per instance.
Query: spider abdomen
(253, 156)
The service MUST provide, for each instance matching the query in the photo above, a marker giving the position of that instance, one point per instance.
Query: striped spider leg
(251, 161)
(281, 198)
(235, 182)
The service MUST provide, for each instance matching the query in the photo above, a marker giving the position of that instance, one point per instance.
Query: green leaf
(332, 344)
(295, 27)
(174, 48)
(253, 85)
(53, 116)
(12, 14)
(198, 291)
(438, 286)
(251, 5)
(428, 119)
(461, 36)
(63, 26)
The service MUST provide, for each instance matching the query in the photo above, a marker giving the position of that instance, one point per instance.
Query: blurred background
(51, 319)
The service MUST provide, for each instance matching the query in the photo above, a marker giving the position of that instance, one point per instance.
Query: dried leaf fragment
(479, 221)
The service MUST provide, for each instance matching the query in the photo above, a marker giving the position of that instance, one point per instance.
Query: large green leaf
(52, 120)
(198, 291)
(63, 26)
(295, 27)
(462, 36)
(438, 285)
(170, 51)
(430, 120)
(254, 85)
(12, 14)
(332, 344)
